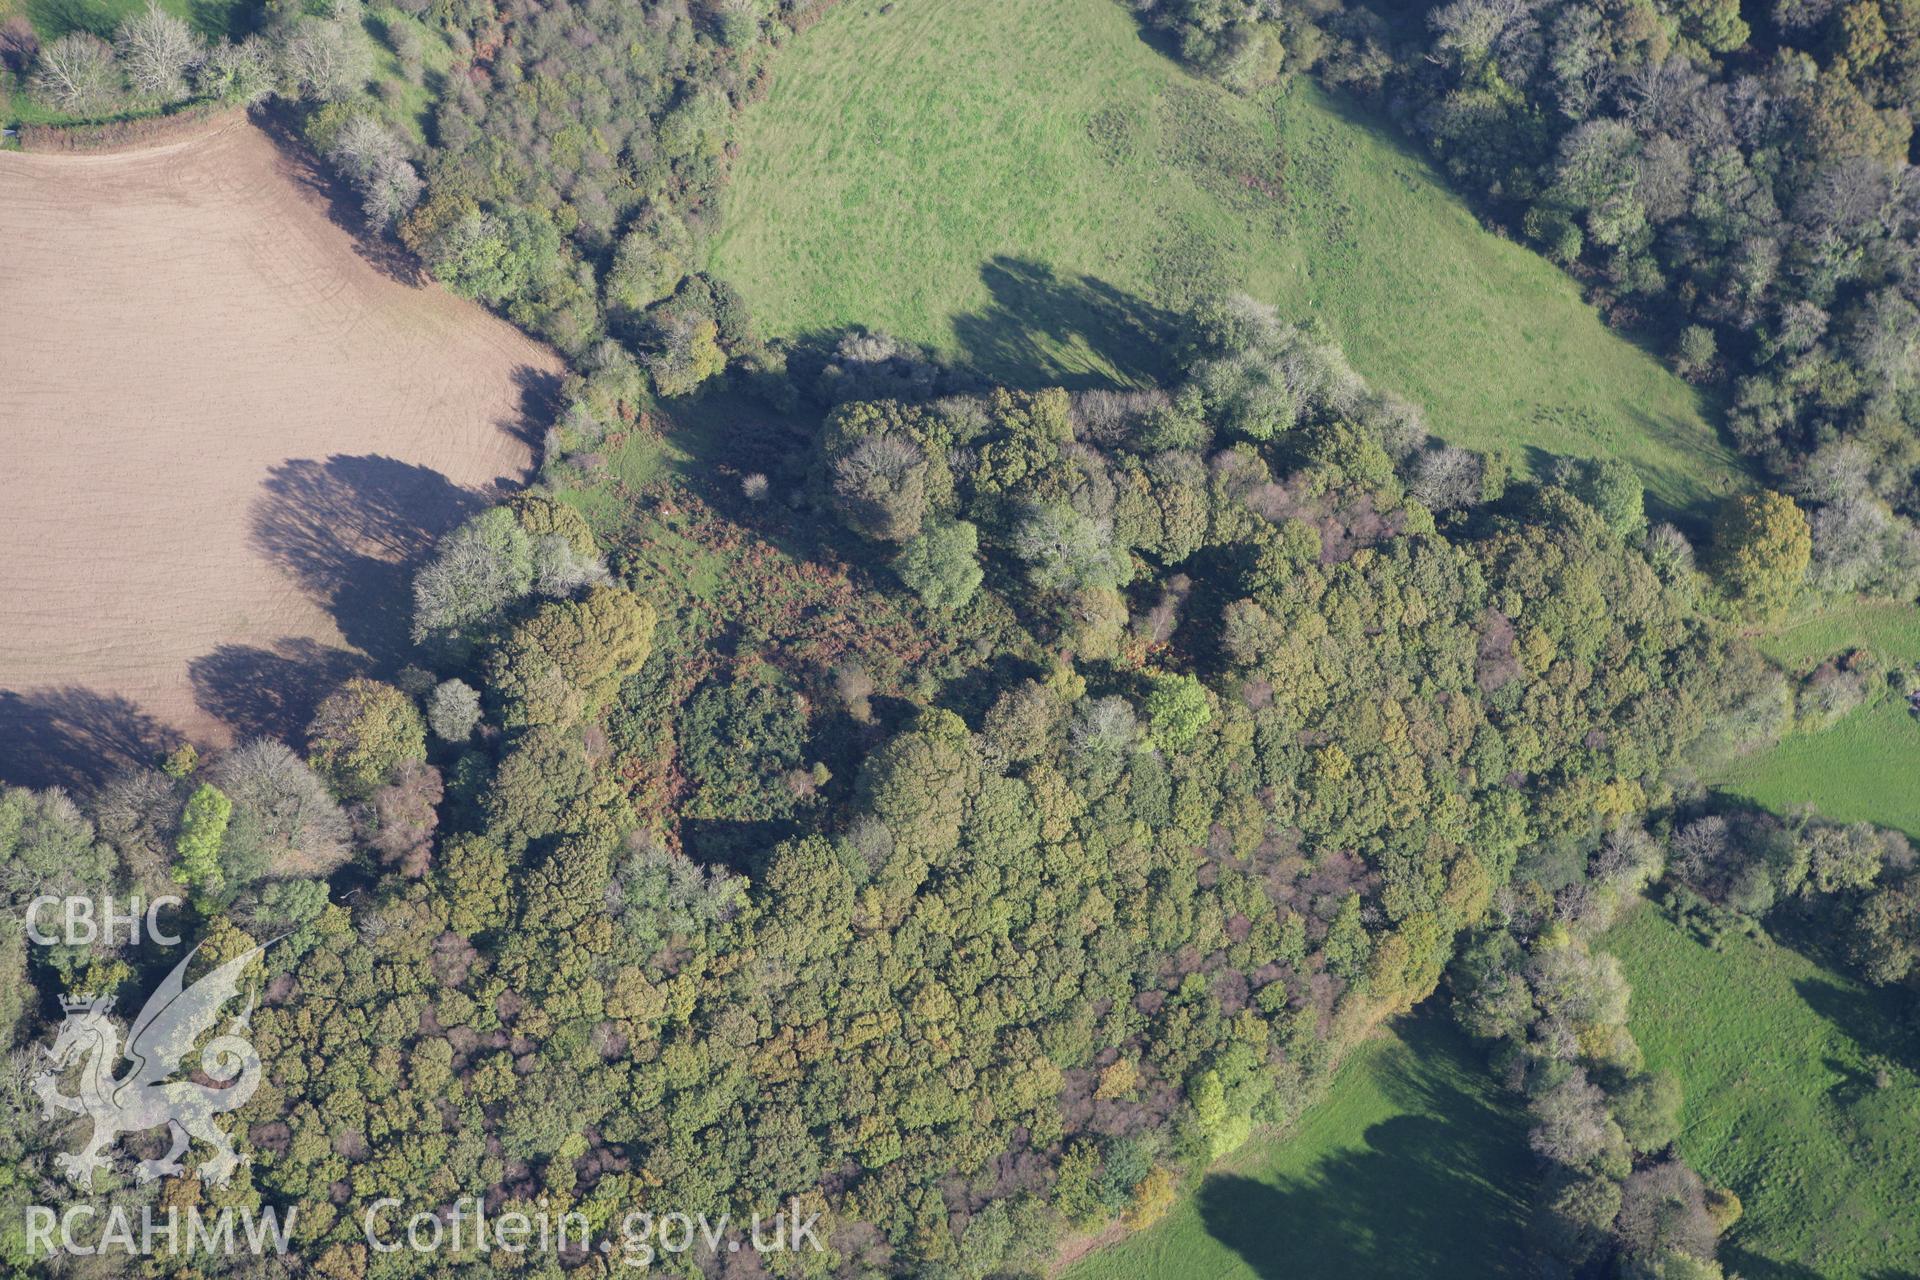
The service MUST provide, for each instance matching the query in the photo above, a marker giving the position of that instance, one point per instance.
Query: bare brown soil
(227, 427)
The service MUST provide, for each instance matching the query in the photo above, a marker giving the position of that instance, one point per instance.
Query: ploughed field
(226, 426)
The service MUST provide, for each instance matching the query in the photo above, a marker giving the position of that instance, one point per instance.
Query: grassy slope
(1866, 767)
(1408, 1169)
(1778, 1057)
(956, 172)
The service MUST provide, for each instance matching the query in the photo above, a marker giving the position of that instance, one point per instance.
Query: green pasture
(1801, 1095)
(1035, 190)
(1413, 1167)
(1866, 768)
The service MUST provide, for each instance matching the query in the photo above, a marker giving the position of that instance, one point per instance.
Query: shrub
(156, 50)
(478, 570)
(881, 484)
(284, 820)
(568, 658)
(740, 738)
(1694, 353)
(1177, 708)
(203, 832)
(404, 817)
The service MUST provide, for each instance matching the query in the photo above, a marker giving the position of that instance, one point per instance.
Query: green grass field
(1866, 768)
(54, 18)
(956, 172)
(1412, 1167)
(1779, 1058)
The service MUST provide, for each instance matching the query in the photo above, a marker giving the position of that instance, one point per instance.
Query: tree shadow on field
(1389, 1211)
(216, 19)
(1752, 1266)
(537, 408)
(1046, 330)
(56, 18)
(1432, 1193)
(351, 530)
(338, 199)
(73, 737)
(270, 692)
(1880, 1022)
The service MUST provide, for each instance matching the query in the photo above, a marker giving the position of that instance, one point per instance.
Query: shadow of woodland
(538, 408)
(271, 691)
(1036, 318)
(1038, 328)
(338, 198)
(1881, 1023)
(56, 18)
(350, 530)
(1752, 1266)
(73, 737)
(1429, 1195)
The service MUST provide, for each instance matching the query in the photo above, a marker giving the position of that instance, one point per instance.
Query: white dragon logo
(145, 1098)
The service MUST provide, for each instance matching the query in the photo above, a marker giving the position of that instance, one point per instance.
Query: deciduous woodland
(966, 808)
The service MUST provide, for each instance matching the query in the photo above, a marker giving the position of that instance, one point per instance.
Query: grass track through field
(1035, 190)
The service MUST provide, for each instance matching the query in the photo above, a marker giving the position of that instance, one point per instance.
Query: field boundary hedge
(125, 135)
